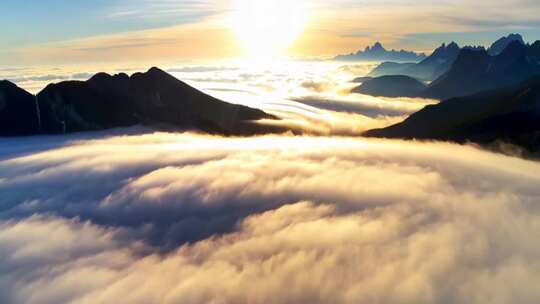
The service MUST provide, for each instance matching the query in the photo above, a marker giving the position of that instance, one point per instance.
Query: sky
(61, 31)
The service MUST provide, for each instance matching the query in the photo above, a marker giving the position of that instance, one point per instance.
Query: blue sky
(31, 21)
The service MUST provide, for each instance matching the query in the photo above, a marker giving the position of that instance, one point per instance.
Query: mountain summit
(474, 71)
(111, 101)
(464, 71)
(441, 60)
(428, 69)
(377, 47)
(498, 46)
(18, 111)
(377, 52)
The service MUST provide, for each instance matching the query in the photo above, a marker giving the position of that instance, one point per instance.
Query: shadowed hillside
(109, 101)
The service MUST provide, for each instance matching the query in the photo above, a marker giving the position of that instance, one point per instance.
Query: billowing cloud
(186, 218)
(313, 96)
(367, 105)
(316, 86)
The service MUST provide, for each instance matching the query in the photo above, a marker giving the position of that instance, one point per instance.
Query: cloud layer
(186, 218)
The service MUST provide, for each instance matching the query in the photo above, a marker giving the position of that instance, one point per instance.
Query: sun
(268, 28)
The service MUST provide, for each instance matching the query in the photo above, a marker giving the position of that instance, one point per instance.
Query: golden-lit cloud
(191, 218)
(195, 42)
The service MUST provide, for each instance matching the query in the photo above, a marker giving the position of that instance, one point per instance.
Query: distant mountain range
(378, 53)
(475, 71)
(472, 70)
(507, 115)
(489, 97)
(107, 101)
(440, 61)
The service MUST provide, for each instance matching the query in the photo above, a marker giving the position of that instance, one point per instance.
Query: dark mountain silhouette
(18, 111)
(107, 101)
(72, 106)
(428, 69)
(378, 53)
(392, 86)
(390, 68)
(474, 71)
(498, 46)
(510, 115)
(436, 64)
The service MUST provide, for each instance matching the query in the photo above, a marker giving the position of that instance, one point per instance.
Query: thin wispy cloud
(176, 12)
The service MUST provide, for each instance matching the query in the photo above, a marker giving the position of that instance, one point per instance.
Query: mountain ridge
(377, 52)
(441, 59)
(432, 67)
(498, 46)
(507, 115)
(474, 71)
(108, 101)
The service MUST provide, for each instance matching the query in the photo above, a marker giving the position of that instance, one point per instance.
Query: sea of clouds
(137, 216)
(134, 216)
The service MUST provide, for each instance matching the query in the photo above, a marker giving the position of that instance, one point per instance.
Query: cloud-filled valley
(159, 217)
(314, 97)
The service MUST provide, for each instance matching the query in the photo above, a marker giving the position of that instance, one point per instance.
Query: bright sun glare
(268, 28)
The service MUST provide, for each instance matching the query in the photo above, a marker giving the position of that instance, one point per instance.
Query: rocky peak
(500, 45)
(377, 47)
(514, 48)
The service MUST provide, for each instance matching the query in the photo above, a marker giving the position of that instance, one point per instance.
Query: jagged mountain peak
(18, 111)
(102, 77)
(452, 45)
(377, 46)
(514, 47)
(377, 52)
(444, 49)
(7, 83)
(501, 44)
(156, 70)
